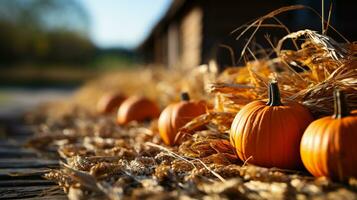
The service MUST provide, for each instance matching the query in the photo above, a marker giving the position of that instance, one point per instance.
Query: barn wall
(160, 49)
(178, 43)
(191, 38)
(173, 44)
(192, 34)
(220, 19)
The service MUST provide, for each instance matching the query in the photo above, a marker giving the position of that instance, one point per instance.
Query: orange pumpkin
(328, 146)
(137, 108)
(269, 133)
(176, 115)
(110, 102)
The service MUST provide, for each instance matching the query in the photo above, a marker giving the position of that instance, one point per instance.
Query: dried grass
(104, 160)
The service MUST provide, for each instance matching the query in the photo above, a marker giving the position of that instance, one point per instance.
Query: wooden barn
(192, 31)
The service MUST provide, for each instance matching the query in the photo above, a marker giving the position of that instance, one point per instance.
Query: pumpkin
(328, 146)
(110, 102)
(137, 108)
(269, 133)
(176, 115)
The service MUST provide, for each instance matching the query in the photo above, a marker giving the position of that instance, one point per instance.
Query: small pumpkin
(110, 102)
(328, 146)
(176, 115)
(269, 133)
(137, 108)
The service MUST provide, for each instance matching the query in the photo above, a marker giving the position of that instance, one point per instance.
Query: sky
(123, 23)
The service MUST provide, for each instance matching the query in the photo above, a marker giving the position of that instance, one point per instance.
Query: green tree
(44, 31)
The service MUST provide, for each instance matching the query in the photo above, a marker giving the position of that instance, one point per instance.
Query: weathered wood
(22, 170)
(36, 192)
(15, 152)
(49, 197)
(9, 143)
(14, 172)
(191, 38)
(22, 174)
(27, 163)
(25, 182)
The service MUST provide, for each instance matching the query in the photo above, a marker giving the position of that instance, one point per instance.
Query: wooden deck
(21, 169)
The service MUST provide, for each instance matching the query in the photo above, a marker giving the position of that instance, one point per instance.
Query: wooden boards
(21, 169)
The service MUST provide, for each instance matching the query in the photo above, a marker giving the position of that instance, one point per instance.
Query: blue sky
(124, 23)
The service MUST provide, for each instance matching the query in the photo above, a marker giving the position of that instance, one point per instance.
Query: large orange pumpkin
(110, 102)
(176, 115)
(328, 146)
(137, 108)
(269, 133)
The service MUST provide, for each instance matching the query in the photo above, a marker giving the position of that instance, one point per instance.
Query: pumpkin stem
(274, 94)
(185, 96)
(341, 107)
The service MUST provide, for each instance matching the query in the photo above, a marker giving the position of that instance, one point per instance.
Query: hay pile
(103, 160)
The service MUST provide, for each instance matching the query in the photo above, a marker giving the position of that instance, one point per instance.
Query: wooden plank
(18, 129)
(14, 172)
(49, 197)
(9, 143)
(25, 182)
(22, 173)
(36, 192)
(16, 152)
(27, 163)
(21, 169)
